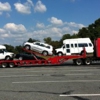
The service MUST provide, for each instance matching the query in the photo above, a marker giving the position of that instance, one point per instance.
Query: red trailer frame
(51, 60)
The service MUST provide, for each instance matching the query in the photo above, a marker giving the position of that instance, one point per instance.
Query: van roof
(2, 47)
(77, 39)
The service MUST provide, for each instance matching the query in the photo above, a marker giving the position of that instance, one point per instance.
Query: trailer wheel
(20, 58)
(78, 62)
(11, 65)
(87, 61)
(4, 65)
(59, 53)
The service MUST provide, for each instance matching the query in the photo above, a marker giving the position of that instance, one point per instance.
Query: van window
(80, 45)
(75, 45)
(67, 45)
(1, 51)
(72, 45)
(83, 45)
(90, 44)
(68, 50)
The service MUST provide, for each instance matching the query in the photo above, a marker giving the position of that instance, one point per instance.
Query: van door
(74, 47)
(2, 56)
(68, 51)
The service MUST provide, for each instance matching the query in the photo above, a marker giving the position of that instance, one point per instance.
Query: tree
(84, 32)
(10, 48)
(18, 49)
(65, 36)
(48, 40)
(32, 40)
(92, 31)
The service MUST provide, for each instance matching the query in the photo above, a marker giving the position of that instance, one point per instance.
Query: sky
(39, 19)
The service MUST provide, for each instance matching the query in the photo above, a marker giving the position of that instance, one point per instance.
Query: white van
(4, 54)
(75, 46)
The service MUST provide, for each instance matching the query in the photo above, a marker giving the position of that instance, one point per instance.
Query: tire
(11, 65)
(78, 62)
(87, 61)
(20, 58)
(4, 65)
(7, 58)
(27, 47)
(74, 61)
(45, 53)
(59, 53)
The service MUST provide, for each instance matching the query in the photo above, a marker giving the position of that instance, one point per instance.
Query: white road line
(81, 95)
(8, 76)
(79, 74)
(18, 76)
(68, 81)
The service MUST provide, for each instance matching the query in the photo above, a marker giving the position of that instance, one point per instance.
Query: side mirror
(63, 47)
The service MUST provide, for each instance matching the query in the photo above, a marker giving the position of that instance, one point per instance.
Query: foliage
(32, 40)
(92, 31)
(10, 48)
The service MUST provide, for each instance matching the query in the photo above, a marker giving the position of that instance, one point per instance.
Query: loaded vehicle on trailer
(4, 54)
(89, 58)
(75, 46)
(40, 47)
(27, 56)
(78, 59)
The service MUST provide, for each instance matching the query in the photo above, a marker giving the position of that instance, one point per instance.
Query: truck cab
(4, 54)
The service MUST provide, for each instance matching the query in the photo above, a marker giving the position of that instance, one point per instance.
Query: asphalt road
(66, 82)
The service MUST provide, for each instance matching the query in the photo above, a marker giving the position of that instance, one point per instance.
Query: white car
(40, 47)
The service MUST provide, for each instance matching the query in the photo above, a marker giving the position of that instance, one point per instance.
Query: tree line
(92, 31)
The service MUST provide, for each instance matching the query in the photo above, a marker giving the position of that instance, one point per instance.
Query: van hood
(9, 52)
(58, 49)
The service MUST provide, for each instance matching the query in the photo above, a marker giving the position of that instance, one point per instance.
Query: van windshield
(5, 50)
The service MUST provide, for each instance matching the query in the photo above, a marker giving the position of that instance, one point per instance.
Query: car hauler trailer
(50, 60)
(56, 60)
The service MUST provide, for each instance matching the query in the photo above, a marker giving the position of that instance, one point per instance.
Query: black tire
(78, 62)
(59, 53)
(87, 61)
(74, 62)
(4, 65)
(20, 58)
(27, 47)
(45, 53)
(7, 58)
(11, 65)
